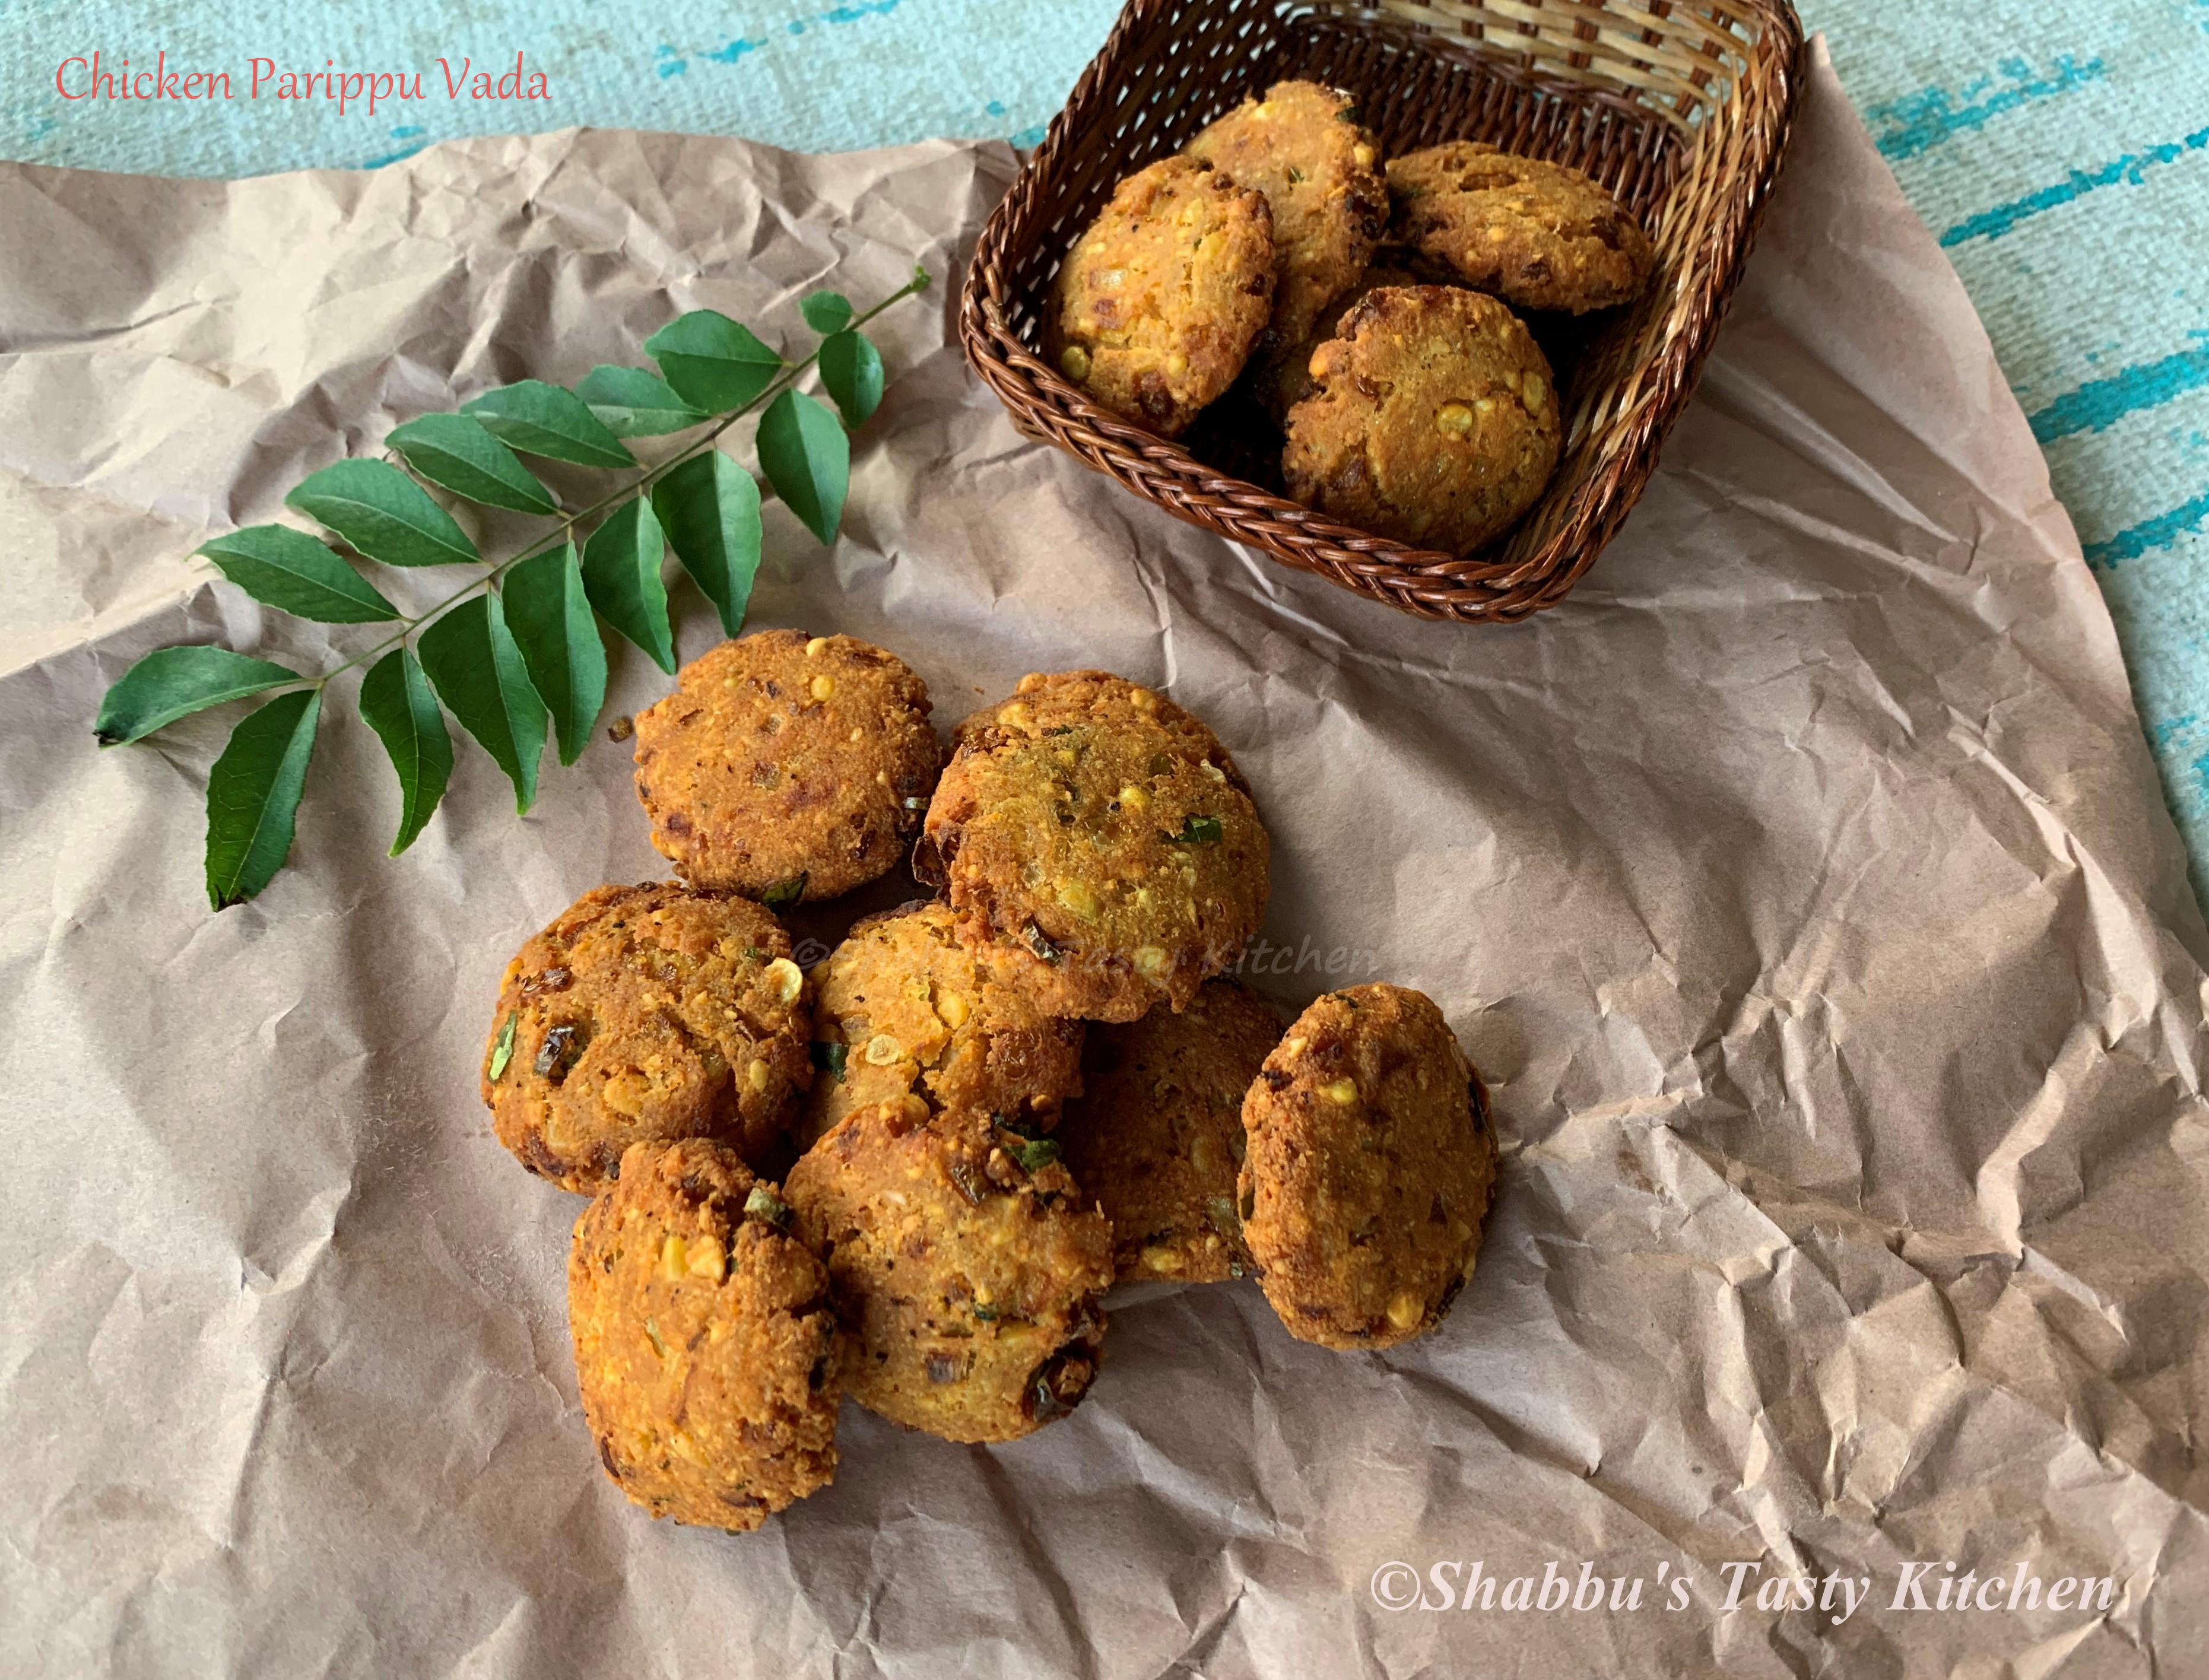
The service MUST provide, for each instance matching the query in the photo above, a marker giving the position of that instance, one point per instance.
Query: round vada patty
(705, 1347)
(1431, 419)
(905, 1006)
(644, 1013)
(1155, 310)
(1368, 1167)
(1156, 1137)
(1303, 147)
(967, 1269)
(1285, 380)
(787, 767)
(1105, 835)
(1542, 236)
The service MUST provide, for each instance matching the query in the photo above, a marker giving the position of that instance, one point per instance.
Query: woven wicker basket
(1681, 107)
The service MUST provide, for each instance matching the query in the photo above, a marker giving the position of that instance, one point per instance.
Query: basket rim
(1426, 581)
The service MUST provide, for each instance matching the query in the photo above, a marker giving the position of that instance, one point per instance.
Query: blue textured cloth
(2061, 154)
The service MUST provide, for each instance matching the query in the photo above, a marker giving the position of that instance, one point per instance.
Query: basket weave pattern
(1680, 109)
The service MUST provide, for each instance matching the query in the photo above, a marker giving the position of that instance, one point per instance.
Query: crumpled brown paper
(1800, 885)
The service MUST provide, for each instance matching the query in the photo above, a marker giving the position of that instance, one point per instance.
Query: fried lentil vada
(1156, 308)
(905, 1006)
(1303, 148)
(1431, 419)
(1540, 235)
(1284, 379)
(705, 1347)
(1156, 1135)
(966, 1268)
(646, 1013)
(787, 767)
(1104, 835)
(1370, 1165)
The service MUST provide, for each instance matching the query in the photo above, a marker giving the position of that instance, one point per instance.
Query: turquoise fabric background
(2060, 152)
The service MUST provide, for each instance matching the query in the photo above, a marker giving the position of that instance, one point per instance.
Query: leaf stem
(794, 371)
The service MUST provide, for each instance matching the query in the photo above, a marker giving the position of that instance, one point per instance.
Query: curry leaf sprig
(519, 646)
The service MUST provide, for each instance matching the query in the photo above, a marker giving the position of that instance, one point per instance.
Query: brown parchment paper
(1800, 885)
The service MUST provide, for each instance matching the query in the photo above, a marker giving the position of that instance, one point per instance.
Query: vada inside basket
(1681, 109)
